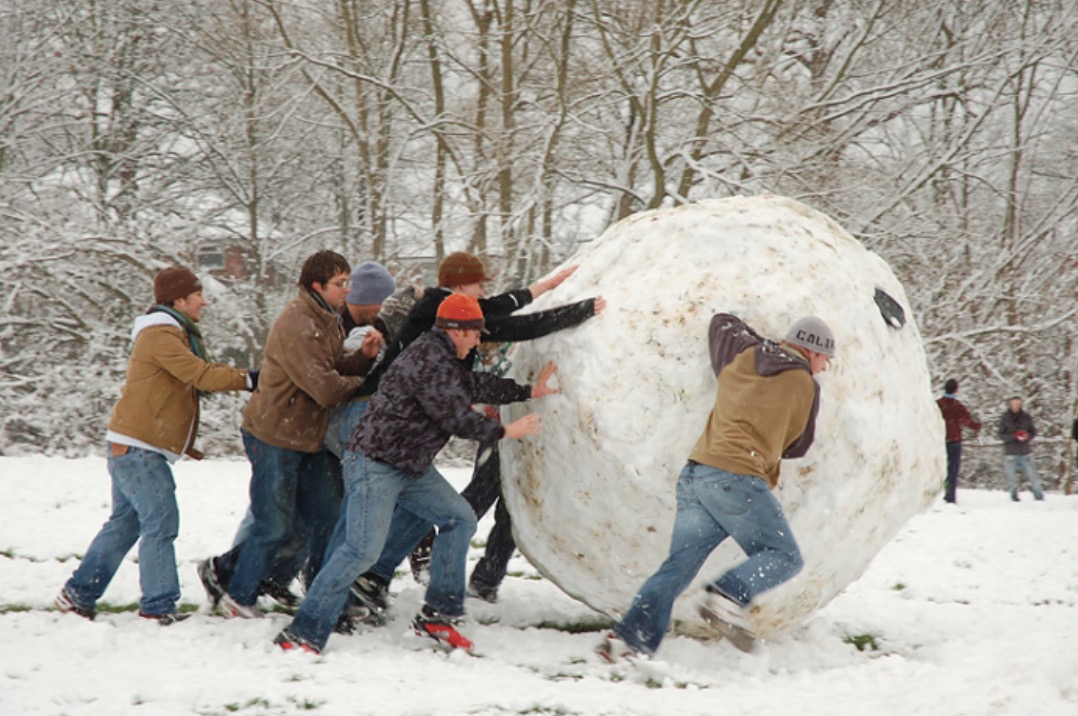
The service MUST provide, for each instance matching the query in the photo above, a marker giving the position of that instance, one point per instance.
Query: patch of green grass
(898, 586)
(587, 625)
(525, 575)
(307, 704)
(863, 642)
(15, 608)
(256, 702)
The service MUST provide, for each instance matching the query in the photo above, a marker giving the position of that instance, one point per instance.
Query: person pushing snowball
(765, 410)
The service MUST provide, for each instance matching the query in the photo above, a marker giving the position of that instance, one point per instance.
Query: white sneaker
(727, 617)
(613, 649)
(229, 607)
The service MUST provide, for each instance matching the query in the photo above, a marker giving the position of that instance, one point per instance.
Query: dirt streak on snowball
(592, 497)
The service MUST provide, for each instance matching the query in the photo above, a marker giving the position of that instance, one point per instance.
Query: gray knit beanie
(813, 334)
(370, 283)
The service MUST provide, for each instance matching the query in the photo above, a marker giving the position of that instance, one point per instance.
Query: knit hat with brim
(462, 312)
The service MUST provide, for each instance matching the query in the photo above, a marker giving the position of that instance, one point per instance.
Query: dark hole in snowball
(893, 314)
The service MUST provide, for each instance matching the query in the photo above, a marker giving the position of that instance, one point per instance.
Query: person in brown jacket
(305, 374)
(765, 410)
(154, 424)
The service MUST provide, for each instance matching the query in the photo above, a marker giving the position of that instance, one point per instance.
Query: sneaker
(372, 594)
(430, 623)
(724, 615)
(290, 642)
(282, 595)
(346, 624)
(207, 574)
(227, 606)
(419, 561)
(613, 649)
(66, 604)
(165, 619)
(487, 594)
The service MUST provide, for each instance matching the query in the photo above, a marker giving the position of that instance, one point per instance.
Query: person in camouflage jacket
(425, 398)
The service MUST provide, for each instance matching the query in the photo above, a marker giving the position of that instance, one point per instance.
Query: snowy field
(972, 610)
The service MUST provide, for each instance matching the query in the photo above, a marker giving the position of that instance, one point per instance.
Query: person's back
(756, 415)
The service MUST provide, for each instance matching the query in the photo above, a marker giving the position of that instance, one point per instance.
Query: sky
(971, 608)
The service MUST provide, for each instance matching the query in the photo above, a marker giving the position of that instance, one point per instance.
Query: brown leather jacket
(159, 399)
(305, 373)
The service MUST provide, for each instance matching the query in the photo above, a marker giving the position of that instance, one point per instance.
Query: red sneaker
(431, 624)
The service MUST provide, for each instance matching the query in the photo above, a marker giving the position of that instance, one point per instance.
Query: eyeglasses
(340, 283)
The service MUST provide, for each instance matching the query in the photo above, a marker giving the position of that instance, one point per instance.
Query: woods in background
(240, 136)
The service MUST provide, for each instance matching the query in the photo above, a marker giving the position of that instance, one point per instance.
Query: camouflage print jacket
(425, 397)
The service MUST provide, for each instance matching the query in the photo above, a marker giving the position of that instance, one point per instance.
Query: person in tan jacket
(765, 410)
(294, 479)
(154, 424)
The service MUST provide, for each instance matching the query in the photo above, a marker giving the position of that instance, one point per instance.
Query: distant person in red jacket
(956, 417)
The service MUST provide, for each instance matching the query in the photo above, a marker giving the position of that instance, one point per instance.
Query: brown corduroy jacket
(159, 399)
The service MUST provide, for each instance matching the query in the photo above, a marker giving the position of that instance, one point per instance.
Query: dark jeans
(481, 493)
(284, 484)
(954, 460)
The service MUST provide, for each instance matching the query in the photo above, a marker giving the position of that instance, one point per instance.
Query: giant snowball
(592, 496)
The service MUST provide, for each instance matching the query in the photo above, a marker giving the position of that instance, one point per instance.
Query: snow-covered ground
(973, 610)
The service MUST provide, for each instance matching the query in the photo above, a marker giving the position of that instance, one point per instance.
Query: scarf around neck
(194, 336)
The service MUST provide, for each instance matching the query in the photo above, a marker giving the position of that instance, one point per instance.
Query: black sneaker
(207, 574)
(345, 625)
(487, 594)
(65, 603)
(282, 595)
(165, 619)
(419, 559)
(440, 628)
(290, 642)
(372, 593)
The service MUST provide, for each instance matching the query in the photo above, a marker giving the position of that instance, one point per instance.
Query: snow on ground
(972, 610)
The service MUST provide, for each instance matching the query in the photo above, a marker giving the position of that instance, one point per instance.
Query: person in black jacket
(465, 273)
(1016, 430)
(425, 398)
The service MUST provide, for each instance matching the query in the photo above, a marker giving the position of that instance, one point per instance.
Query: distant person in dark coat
(956, 417)
(1016, 430)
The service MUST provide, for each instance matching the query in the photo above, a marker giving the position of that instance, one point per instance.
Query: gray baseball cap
(813, 334)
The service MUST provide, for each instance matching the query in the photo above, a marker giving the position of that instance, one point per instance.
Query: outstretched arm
(512, 328)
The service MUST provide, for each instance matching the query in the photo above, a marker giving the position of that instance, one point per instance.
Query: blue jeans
(375, 494)
(1012, 464)
(289, 561)
(481, 493)
(342, 421)
(143, 508)
(284, 483)
(713, 504)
